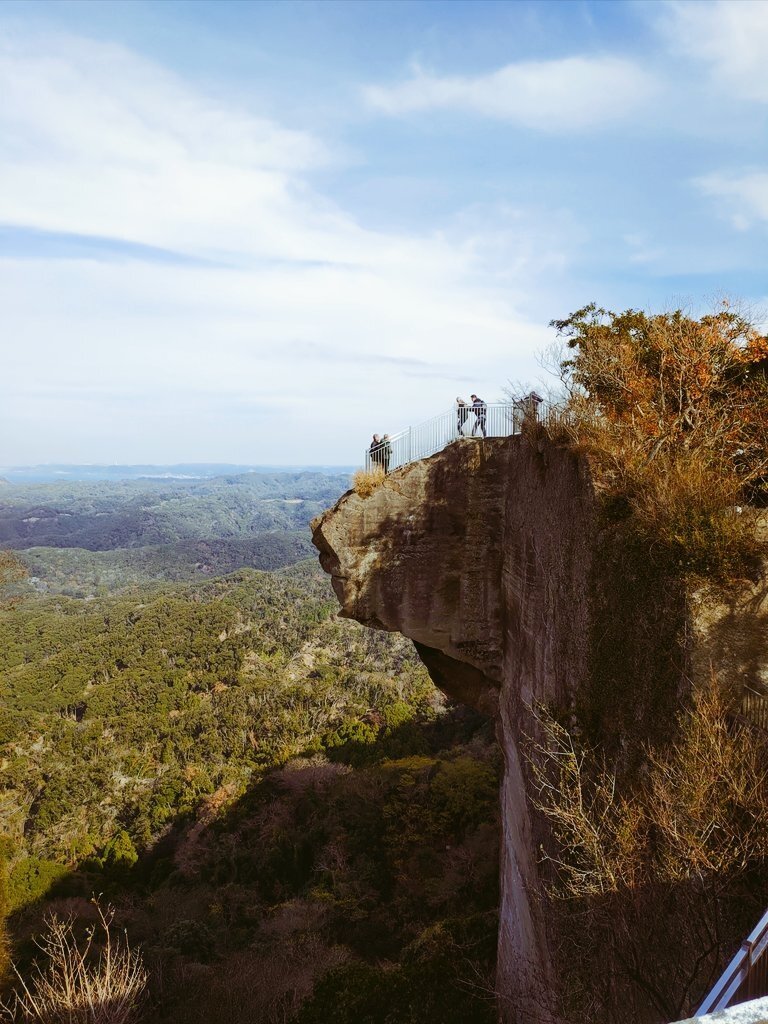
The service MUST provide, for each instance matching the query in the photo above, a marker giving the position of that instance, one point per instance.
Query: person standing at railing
(480, 409)
(385, 453)
(375, 452)
(462, 414)
(533, 401)
(526, 410)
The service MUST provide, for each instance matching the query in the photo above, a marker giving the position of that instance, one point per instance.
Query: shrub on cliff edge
(673, 415)
(365, 481)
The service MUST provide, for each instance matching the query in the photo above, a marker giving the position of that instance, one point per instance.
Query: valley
(289, 819)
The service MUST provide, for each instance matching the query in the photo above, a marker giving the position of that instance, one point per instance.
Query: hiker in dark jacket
(376, 451)
(480, 409)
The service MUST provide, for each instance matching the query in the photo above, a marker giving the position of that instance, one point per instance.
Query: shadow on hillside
(377, 855)
(361, 886)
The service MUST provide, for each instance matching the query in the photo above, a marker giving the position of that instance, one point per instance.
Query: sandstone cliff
(493, 558)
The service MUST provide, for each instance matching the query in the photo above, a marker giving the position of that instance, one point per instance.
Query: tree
(11, 571)
(5, 945)
(673, 412)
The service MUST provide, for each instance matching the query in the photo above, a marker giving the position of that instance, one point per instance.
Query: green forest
(91, 538)
(289, 820)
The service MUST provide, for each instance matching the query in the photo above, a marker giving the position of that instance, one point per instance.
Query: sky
(258, 232)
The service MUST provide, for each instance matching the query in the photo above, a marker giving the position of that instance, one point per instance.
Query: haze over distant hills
(163, 523)
(51, 472)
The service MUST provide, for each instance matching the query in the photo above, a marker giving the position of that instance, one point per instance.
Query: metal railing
(745, 977)
(498, 419)
(754, 708)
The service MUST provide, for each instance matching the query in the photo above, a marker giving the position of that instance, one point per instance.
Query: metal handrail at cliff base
(746, 976)
(497, 419)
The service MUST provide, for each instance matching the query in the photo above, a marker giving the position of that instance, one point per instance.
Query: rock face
(490, 557)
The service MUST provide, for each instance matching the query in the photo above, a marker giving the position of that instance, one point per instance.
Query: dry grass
(685, 503)
(694, 507)
(365, 481)
(81, 985)
(656, 880)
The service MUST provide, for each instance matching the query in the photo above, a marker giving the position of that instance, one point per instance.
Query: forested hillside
(86, 538)
(291, 823)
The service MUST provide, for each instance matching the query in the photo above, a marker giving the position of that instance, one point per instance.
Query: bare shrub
(708, 795)
(598, 833)
(365, 481)
(654, 879)
(102, 982)
(700, 808)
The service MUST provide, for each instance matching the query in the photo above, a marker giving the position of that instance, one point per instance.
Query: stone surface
(492, 557)
(479, 555)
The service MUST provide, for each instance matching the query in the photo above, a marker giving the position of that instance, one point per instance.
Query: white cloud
(551, 96)
(166, 362)
(641, 250)
(745, 195)
(270, 355)
(729, 35)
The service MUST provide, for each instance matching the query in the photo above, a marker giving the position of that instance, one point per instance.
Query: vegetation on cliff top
(673, 414)
(366, 481)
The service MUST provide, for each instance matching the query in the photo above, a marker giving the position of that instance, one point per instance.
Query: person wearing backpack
(480, 409)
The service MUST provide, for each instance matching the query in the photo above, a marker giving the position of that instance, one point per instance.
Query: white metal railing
(498, 419)
(746, 976)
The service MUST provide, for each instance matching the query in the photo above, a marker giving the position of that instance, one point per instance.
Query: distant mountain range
(53, 472)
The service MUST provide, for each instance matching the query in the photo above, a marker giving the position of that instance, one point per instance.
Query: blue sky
(257, 232)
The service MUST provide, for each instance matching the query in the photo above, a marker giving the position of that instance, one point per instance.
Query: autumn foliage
(673, 412)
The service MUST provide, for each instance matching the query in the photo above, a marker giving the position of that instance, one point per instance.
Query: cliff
(493, 558)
